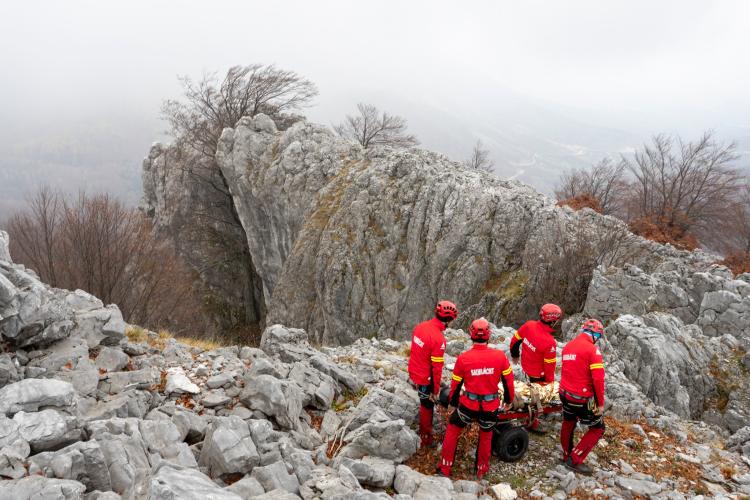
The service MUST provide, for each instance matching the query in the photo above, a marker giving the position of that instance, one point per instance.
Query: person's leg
(452, 433)
(426, 408)
(587, 442)
(567, 432)
(487, 422)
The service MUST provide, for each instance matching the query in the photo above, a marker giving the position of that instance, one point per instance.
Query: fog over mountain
(545, 87)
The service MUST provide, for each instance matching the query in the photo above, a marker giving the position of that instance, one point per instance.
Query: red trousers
(459, 419)
(573, 412)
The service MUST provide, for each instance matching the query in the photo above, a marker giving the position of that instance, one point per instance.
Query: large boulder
(41, 488)
(671, 362)
(228, 448)
(171, 482)
(279, 399)
(47, 429)
(381, 437)
(33, 394)
(82, 461)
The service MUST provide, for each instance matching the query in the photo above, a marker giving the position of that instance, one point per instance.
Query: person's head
(594, 328)
(446, 311)
(550, 314)
(480, 330)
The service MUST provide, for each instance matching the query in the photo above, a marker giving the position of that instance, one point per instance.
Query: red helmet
(446, 311)
(549, 313)
(480, 329)
(593, 327)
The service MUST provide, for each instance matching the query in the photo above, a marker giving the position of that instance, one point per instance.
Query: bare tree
(372, 128)
(211, 105)
(480, 158)
(96, 244)
(210, 236)
(604, 181)
(684, 186)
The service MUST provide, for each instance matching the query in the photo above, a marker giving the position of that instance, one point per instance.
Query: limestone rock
(228, 448)
(171, 482)
(47, 429)
(276, 398)
(33, 394)
(381, 437)
(37, 487)
(179, 383)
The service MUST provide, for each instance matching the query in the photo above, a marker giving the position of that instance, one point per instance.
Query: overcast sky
(627, 61)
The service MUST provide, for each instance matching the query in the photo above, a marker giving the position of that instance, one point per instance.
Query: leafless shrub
(565, 256)
(480, 158)
(98, 245)
(210, 105)
(689, 189)
(604, 181)
(371, 128)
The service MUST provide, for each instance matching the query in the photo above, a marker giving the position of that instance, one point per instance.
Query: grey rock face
(276, 398)
(112, 360)
(41, 488)
(228, 448)
(348, 243)
(170, 482)
(82, 461)
(4, 241)
(666, 359)
(381, 437)
(276, 476)
(372, 471)
(33, 394)
(47, 429)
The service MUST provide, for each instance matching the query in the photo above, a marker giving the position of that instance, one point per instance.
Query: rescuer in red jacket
(582, 394)
(480, 371)
(536, 346)
(426, 363)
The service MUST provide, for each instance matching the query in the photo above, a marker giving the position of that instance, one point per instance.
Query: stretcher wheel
(509, 443)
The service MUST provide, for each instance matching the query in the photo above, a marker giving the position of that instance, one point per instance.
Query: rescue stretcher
(510, 438)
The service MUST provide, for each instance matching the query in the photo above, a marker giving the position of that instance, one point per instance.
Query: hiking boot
(579, 468)
(439, 472)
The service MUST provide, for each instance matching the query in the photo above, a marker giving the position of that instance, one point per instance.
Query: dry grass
(136, 334)
(204, 344)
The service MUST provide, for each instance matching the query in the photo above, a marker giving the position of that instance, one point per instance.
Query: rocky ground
(94, 408)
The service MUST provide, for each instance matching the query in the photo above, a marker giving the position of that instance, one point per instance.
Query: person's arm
(509, 391)
(516, 341)
(437, 359)
(597, 375)
(457, 380)
(550, 362)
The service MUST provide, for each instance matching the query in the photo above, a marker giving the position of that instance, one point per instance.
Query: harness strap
(481, 397)
(573, 396)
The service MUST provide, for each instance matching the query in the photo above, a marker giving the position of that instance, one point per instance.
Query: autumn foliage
(738, 262)
(95, 243)
(583, 200)
(665, 232)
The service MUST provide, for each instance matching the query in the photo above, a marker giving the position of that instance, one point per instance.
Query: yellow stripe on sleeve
(517, 336)
(436, 359)
(508, 371)
(551, 360)
(596, 365)
(457, 378)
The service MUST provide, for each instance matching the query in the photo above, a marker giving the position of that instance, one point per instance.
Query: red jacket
(427, 351)
(583, 369)
(538, 350)
(480, 370)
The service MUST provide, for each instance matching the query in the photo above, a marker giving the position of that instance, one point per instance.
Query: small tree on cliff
(371, 127)
(604, 182)
(209, 105)
(480, 158)
(210, 236)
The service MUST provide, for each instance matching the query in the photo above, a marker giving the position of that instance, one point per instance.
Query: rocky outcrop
(163, 420)
(350, 243)
(680, 332)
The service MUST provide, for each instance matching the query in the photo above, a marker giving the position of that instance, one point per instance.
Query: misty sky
(639, 66)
